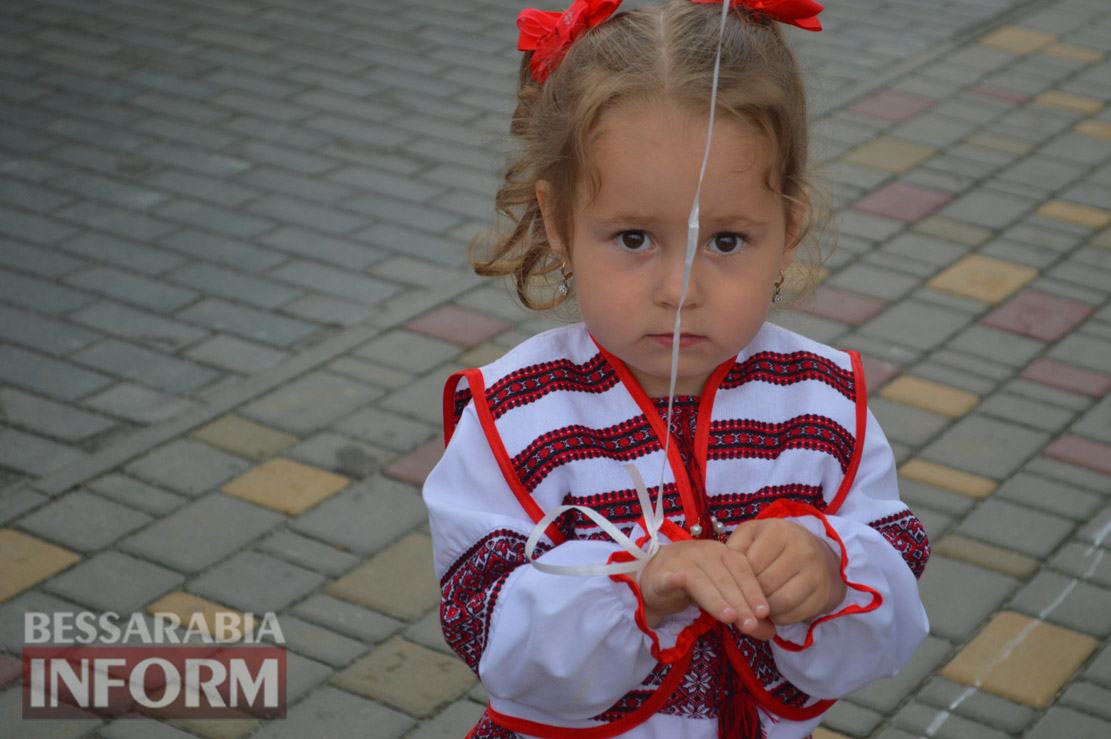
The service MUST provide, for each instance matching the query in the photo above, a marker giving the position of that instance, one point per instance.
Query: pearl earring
(565, 285)
(777, 294)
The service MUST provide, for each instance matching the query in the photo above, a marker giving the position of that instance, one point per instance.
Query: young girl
(780, 572)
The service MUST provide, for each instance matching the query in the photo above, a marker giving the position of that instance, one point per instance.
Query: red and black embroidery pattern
(487, 729)
(470, 587)
(620, 507)
(786, 369)
(758, 655)
(623, 442)
(462, 397)
(529, 384)
(737, 507)
(906, 533)
(746, 438)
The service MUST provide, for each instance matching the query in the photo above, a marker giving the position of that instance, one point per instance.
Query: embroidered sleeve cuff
(859, 598)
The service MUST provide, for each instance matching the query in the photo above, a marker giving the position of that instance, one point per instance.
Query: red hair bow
(548, 35)
(801, 13)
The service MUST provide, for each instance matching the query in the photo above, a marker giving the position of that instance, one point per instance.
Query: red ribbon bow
(548, 34)
(801, 13)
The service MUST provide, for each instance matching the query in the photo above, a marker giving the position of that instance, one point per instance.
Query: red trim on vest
(861, 403)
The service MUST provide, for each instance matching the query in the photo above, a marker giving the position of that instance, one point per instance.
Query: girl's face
(628, 244)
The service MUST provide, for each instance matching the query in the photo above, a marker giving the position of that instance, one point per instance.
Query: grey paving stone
(407, 350)
(319, 643)
(340, 454)
(1083, 561)
(36, 260)
(145, 366)
(141, 728)
(985, 446)
(12, 616)
(308, 553)
(236, 355)
(202, 187)
(112, 581)
(327, 310)
(14, 503)
(282, 156)
(916, 324)
(35, 455)
(1050, 496)
(255, 582)
(347, 618)
(302, 675)
(38, 295)
(121, 253)
(332, 712)
(1016, 527)
(136, 325)
(1069, 473)
(186, 466)
(109, 190)
(136, 494)
(1088, 698)
(12, 724)
(1025, 411)
(454, 721)
(224, 221)
(1067, 602)
(1099, 670)
(959, 597)
(83, 522)
(297, 185)
(133, 289)
(330, 281)
(905, 423)
(48, 417)
(422, 399)
(340, 252)
(978, 706)
(365, 517)
(849, 718)
(1059, 722)
(919, 718)
(139, 404)
(202, 532)
(450, 252)
(1083, 350)
(234, 285)
(247, 323)
(386, 429)
(216, 164)
(310, 402)
(427, 632)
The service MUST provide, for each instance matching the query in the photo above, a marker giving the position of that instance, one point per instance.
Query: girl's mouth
(685, 340)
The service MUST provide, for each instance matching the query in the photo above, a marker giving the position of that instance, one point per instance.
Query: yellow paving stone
(1069, 101)
(482, 354)
(890, 155)
(982, 278)
(1021, 659)
(185, 606)
(822, 733)
(950, 230)
(1018, 40)
(26, 561)
(1081, 54)
(286, 486)
(930, 396)
(398, 581)
(1000, 143)
(1093, 127)
(217, 728)
(1081, 215)
(407, 676)
(940, 476)
(244, 437)
(988, 556)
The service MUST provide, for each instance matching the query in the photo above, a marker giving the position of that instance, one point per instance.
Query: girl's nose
(669, 280)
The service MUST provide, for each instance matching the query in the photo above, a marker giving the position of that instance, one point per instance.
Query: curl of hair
(646, 54)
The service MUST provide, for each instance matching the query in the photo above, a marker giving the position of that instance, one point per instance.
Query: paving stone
(112, 581)
(139, 326)
(454, 721)
(215, 728)
(1060, 721)
(886, 694)
(1076, 349)
(365, 517)
(459, 325)
(340, 454)
(836, 305)
(144, 366)
(41, 374)
(326, 310)
(976, 705)
(906, 424)
(136, 494)
(227, 523)
(83, 521)
(948, 478)
(1018, 40)
(286, 486)
(47, 417)
(33, 454)
(310, 402)
(902, 201)
(321, 644)
(137, 403)
(408, 677)
(987, 556)
(246, 322)
(915, 324)
(255, 582)
(1083, 452)
(1021, 659)
(302, 675)
(187, 467)
(26, 561)
(331, 712)
(385, 429)
(960, 596)
(1051, 496)
(370, 373)
(852, 719)
(955, 231)
(1094, 128)
(985, 446)
(889, 154)
(930, 396)
(1002, 347)
(234, 285)
(929, 721)
(1077, 599)
(415, 466)
(1016, 527)
(1070, 101)
(1096, 423)
(1077, 213)
(236, 355)
(398, 581)
(186, 607)
(12, 723)
(1026, 411)
(347, 618)
(309, 553)
(244, 438)
(1036, 314)
(41, 333)
(983, 278)
(140, 728)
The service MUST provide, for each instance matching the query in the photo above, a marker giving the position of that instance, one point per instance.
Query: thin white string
(653, 513)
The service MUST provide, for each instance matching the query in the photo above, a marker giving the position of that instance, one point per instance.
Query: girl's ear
(543, 192)
(796, 226)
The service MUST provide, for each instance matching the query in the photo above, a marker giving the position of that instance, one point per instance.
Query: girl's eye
(633, 240)
(726, 243)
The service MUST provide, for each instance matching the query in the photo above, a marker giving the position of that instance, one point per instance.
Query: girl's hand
(716, 578)
(799, 573)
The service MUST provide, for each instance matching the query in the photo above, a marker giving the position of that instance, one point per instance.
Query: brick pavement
(232, 245)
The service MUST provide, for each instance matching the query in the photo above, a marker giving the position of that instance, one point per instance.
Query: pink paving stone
(902, 202)
(459, 325)
(10, 669)
(838, 305)
(1081, 452)
(1043, 316)
(1068, 377)
(415, 466)
(891, 105)
(878, 371)
(999, 93)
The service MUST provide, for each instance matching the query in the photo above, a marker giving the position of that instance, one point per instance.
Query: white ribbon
(653, 514)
